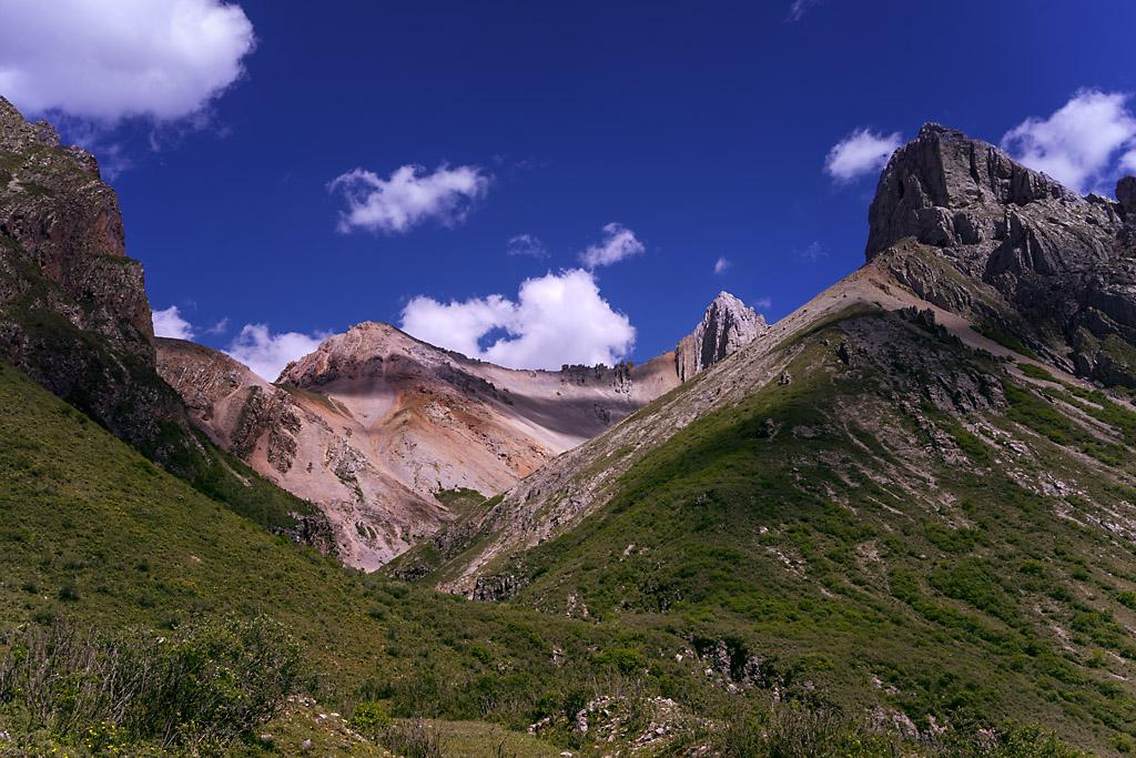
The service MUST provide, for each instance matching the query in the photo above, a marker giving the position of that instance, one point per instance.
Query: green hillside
(907, 524)
(98, 542)
(95, 536)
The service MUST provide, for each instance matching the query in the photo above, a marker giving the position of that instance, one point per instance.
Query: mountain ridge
(379, 428)
(910, 273)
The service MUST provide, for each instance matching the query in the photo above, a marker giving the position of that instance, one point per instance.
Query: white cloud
(266, 353)
(861, 152)
(556, 319)
(763, 303)
(408, 198)
(798, 9)
(526, 244)
(169, 323)
(1128, 162)
(721, 265)
(1077, 143)
(618, 243)
(164, 59)
(220, 327)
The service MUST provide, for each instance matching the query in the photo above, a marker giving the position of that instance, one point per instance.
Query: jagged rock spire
(727, 325)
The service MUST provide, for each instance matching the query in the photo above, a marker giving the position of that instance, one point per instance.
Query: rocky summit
(74, 317)
(1060, 268)
(73, 308)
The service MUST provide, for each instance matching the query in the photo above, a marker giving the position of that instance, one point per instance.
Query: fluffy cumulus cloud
(555, 319)
(1078, 145)
(721, 265)
(163, 59)
(169, 323)
(409, 197)
(266, 353)
(618, 243)
(861, 152)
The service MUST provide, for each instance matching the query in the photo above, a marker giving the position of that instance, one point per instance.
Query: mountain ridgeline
(393, 437)
(900, 520)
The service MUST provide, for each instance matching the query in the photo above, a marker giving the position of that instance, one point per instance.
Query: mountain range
(391, 436)
(899, 520)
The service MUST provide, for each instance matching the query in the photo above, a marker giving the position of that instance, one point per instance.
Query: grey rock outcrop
(73, 309)
(1065, 264)
(727, 326)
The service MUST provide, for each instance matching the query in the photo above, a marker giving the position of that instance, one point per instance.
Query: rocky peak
(945, 188)
(364, 349)
(16, 132)
(1063, 266)
(727, 325)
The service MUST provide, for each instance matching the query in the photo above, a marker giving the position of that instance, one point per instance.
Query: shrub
(213, 683)
(370, 718)
(412, 740)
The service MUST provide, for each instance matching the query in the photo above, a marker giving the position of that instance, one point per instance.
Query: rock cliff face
(726, 327)
(73, 310)
(1063, 265)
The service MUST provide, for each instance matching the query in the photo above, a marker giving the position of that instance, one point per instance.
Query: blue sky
(701, 129)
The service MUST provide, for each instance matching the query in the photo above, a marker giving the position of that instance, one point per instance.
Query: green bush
(212, 683)
(370, 718)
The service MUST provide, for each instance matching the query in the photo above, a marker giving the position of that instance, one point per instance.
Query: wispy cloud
(618, 243)
(409, 197)
(526, 244)
(813, 252)
(1081, 144)
(721, 265)
(798, 9)
(763, 303)
(861, 152)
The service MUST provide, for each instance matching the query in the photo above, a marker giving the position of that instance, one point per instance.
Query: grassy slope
(786, 525)
(92, 531)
